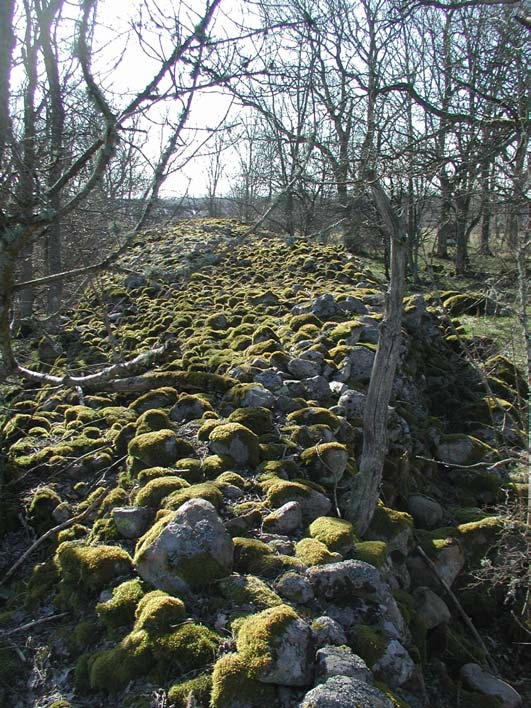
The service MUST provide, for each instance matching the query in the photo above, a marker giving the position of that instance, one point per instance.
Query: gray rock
(345, 692)
(187, 552)
(269, 378)
(285, 519)
(316, 388)
(258, 396)
(338, 388)
(430, 608)
(449, 563)
(396, 666)
(361, 360)
(479, 680)
(131, 521)
(353, 403)
(426, 512)
(303, 368)
(353, 305)
(340, 661)
(327, 631)
(325, 306)
(295, 587)
(340, 582)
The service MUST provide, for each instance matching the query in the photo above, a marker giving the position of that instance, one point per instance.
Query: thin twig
(30, 625)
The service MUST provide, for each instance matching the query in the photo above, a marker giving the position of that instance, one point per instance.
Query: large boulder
(345, 692)
(276, 646)
(185, 550)
(340, 582)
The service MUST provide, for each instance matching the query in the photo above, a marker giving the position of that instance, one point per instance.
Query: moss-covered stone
(368, 643)
(158, 398)
(111, 670)
(248, 590)
(41, 508)
(159, 448)
(315, 416)
(233, 686)
(152, 420)
(86, 570)
(203, 490)
(325, 463)
(120, 609)
(312, 552)
(154, 491)
(157, 612)
(373, 552)
(200, 687)
(236, 442)
(257, 419)
(337, 534)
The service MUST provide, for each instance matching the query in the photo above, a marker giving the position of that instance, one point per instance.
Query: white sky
(135, 69)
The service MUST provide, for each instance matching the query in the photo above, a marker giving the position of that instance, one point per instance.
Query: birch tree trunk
(366, 485)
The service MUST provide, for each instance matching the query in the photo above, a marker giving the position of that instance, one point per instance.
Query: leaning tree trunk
(366, 486)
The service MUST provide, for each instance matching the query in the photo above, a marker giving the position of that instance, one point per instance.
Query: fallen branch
(119, 370)
(30, 625)
(69, 522)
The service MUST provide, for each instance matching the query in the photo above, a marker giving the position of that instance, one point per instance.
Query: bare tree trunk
(366, 485)
(7, 41)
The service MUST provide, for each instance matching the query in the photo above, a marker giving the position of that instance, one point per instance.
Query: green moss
(160, 448)
(234, 687)
(158, 489)
(208, 426)
(203, 490)
(154, 473)
(152, 420)
(260, 635)
(388, 523)
(113, 669)
(120, 609)
(157, 612)
(199, 687)
(315, 416)
(280, 492)
(189, 647)
(248, 590)
(337, 534)
(368, 643)
(325, 463)
(234, 479)
(86, 570)
(312, 552)
(158, 398)
(42, 583)
(395, 700)
(236, 442)
(43, 503)
(214, 465)
(116, 497)
(86, 633)
(255, 557)
(257, 419)
(373, 552)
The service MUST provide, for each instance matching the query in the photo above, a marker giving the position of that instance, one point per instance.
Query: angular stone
(327, 631)
(295, 587)
(303, 368)
(131, 521)
(345, 692)
(186, 550)
(286, 519)
(479, 680)
(340, 661)
(396, 666)
(430, 608)
(339, 582)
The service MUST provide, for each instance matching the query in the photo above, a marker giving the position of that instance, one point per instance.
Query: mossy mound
(236, 442)
(257, 419)
(248, 590)
(203, 490)
(312, 552)
(315, 416)
(373, 552)
(86, 570)
(154, 491)
(233, 686)
(120, 609)
(337, 534)
(325, 463)
(160, 448)
(198, 689)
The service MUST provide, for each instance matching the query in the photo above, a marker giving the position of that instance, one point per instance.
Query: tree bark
(366, 485)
